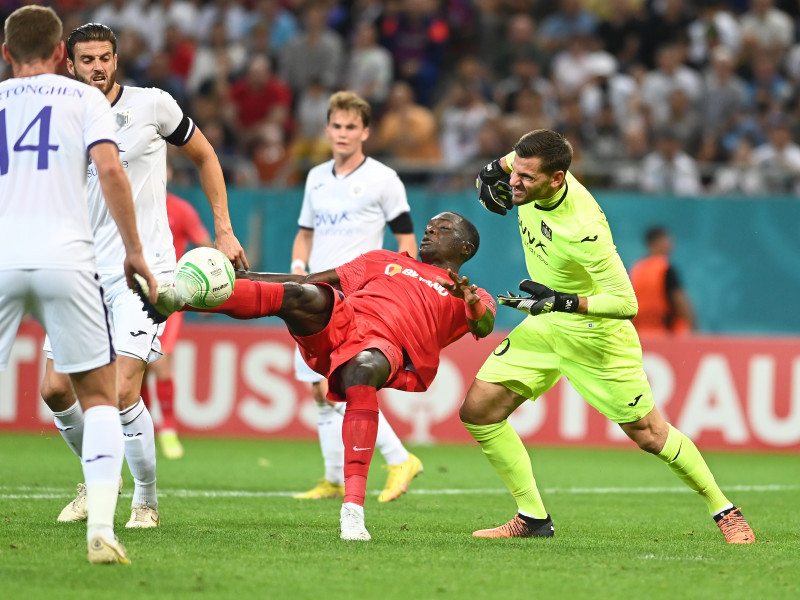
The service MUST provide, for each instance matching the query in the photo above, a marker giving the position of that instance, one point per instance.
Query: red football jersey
(402, 293)
(185, 224)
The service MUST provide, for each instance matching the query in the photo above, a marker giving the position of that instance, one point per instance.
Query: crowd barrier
(236, 380)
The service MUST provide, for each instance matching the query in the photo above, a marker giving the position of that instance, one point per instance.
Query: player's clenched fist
(494, 191)
(542, 299)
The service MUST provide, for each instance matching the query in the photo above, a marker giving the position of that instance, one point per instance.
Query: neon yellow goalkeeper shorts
(605, 369)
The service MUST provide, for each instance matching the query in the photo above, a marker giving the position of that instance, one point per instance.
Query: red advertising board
(237, 380)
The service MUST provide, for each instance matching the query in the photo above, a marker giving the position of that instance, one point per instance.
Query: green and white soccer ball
(204, 277)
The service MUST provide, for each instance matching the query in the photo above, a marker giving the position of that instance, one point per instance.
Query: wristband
(475, 311)
(298, 263)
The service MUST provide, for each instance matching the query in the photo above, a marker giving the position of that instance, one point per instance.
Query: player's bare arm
(407, 242)
(301, 250)
(119, 198)
(331, 277)
(479, 320)
(201, 153)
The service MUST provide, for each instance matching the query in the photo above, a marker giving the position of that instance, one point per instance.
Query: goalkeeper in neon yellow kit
(579, 303)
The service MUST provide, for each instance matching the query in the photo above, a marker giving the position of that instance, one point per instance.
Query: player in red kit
(380, 320)
(186, 227)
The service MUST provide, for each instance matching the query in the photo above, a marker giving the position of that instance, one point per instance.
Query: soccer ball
(204, 277)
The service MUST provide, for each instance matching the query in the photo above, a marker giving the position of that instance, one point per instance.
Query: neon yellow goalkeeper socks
(502, 446)
(685, 460)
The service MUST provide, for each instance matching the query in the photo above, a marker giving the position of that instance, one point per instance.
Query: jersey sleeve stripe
(101, 141)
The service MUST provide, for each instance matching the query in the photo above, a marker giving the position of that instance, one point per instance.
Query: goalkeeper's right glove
(494, 191)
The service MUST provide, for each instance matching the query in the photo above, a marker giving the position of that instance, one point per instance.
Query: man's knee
(486, 404)
(57, 392)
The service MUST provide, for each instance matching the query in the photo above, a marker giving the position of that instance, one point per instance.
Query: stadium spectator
(370, 69)
(767, 89)
(671, 74)
(233, 14)
(518, 41)
(310, 145)
(525, 74)
(317, 53)
(91, 50)
(417, 35)
(270, 27)
(683, 120)
(583, 333)
(213, 55)
(665, 26)
(261, 97)
(766, 29)
(668, 169)
(621, 30)
(571, 20)
(372, 196)
(186, 228)
(664, 306)
(407, 130)
(527, 114)
(725, 92)
(739, 174)
(385, 328)
(715, 27)
(47, 265)
(779, 158)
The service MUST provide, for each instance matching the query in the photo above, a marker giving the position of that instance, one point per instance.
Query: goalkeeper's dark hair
(552, 148)
(470, 234)
(90, 32)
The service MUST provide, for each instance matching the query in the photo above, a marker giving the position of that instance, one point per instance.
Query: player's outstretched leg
(401, 464)
(684, 459)
(506, 453)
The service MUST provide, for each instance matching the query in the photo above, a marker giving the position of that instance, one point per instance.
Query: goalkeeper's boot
(519, 527)
(104, 552)
(735, 527)
(168, 301)
(324, 489)
(399, 478)
(170, 444)
(352, 524)
(143, 517)
(76, 510)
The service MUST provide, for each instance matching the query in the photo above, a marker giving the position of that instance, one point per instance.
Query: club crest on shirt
(123, 119)
(547, 232)
(392, 269)
(357, 189)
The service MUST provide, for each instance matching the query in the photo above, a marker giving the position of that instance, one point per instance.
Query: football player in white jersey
(146, 120)
(48, 123)
(347, 204)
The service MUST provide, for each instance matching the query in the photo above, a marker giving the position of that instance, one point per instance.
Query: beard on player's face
(101, 80)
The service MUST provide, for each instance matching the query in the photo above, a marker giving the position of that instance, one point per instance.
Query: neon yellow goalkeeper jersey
(568, 247)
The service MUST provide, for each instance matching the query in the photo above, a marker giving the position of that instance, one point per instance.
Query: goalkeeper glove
(542, 299)
(494, 191)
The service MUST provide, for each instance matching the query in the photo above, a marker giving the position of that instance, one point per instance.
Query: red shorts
(345, 335)
(171, 331)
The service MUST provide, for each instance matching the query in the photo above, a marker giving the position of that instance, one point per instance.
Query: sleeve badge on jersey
(547, 232)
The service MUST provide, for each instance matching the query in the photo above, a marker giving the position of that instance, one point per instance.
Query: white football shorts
(302, 372)
(135, 335)
(69, 305)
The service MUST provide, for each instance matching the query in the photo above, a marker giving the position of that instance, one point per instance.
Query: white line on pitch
(31, 493)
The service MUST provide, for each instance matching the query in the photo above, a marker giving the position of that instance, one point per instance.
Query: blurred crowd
(681, 97)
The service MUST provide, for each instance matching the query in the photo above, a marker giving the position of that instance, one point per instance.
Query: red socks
(250, 300)
(165, 390)
(359, 432)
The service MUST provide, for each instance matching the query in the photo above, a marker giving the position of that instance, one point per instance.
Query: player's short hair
(350, 101)
(90, 32)
(655, 233)
(32, 33)
(550, 147)
(469, 233)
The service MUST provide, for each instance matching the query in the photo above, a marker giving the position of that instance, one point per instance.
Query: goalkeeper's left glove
(542, 299)
(494, 190)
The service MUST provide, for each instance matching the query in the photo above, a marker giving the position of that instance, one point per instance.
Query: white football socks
(140, 452)
(70, 426)
(102, 463)
(329, 428)
(389, 445)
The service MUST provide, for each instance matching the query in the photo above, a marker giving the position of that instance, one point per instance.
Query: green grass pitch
(625, 528)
